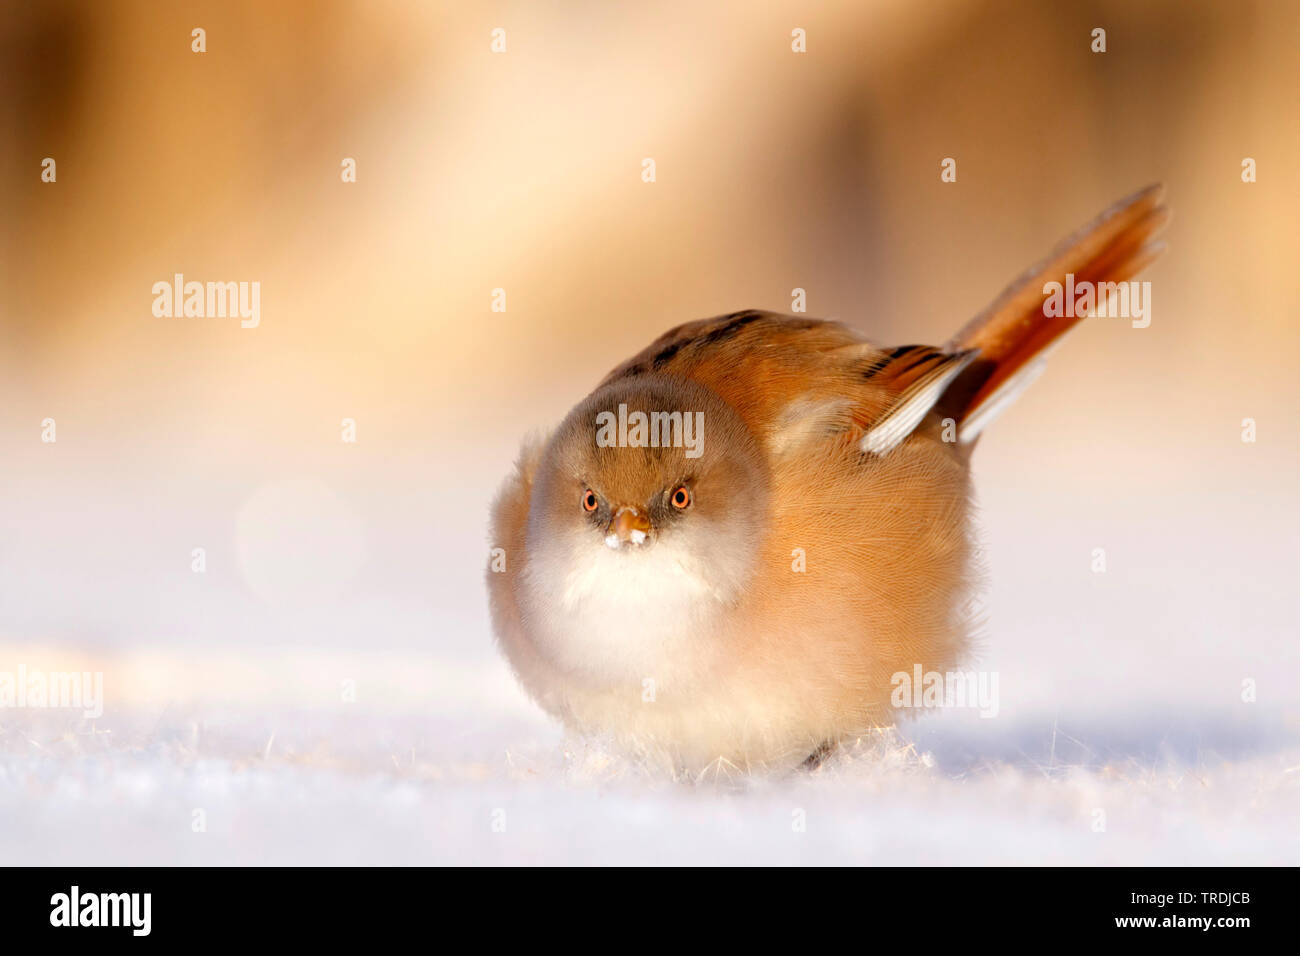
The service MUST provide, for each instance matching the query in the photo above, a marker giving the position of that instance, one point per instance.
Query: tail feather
(1013, 334)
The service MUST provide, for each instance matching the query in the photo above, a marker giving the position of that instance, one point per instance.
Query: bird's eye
(681, 498)
(589, 500)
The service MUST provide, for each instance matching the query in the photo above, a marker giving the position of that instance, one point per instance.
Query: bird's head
(648, 507)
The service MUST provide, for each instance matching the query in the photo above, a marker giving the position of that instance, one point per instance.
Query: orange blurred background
(521, 171)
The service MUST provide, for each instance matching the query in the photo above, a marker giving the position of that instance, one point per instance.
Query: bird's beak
(628, 526)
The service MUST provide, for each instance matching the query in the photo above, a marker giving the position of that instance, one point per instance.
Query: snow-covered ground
(479, 777)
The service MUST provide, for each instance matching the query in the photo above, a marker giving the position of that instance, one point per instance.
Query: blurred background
(521, 170)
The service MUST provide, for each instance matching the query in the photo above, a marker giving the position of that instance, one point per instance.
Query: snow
(479, 777)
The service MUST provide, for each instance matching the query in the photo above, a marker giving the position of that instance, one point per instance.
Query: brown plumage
(747, 598)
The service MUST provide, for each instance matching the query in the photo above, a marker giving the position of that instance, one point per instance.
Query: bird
(726, 552)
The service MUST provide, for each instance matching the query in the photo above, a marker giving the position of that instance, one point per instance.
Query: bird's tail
(1014, 334)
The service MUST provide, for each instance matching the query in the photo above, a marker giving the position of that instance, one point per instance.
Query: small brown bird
(727, 549)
